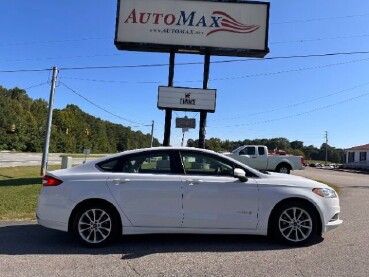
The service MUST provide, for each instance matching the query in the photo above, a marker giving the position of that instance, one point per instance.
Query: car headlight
(326, 193)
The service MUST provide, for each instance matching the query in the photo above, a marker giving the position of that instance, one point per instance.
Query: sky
(294, 98)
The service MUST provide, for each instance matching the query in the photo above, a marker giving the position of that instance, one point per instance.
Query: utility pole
(152, 133)
(45, 153)
(326, 147)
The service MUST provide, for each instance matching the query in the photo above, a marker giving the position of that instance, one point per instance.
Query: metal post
(326, 147)
(45, 153)
(183, 133)
(152, 133)
(203, 115)
(168, 112)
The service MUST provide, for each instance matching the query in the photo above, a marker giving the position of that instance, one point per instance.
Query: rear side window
(261, 151)
(151, 162)
(110, 165)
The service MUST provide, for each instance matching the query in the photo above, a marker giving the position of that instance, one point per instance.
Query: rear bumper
(61, 226)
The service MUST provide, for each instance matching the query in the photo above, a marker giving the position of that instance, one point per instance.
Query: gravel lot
(30, 250)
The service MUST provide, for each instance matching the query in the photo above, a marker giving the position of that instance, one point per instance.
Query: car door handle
(194, 182)
(120, 181)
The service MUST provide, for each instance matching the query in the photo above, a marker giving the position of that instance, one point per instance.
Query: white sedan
(183, 190)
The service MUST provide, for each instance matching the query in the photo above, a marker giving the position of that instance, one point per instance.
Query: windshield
(237, 149)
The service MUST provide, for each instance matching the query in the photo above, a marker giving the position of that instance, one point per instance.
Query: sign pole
(203, 114)
(168, 112)
(152, 133)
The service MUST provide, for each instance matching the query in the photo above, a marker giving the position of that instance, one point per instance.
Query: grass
(19, 189)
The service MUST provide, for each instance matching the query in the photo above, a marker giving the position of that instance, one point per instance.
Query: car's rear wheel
(295, 223)
(96, 225)
(284, 168)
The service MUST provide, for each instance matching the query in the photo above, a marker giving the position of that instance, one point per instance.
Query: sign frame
(195, 49)
(177, 98)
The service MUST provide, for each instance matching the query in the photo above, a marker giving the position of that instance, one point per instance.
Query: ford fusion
(183, 190)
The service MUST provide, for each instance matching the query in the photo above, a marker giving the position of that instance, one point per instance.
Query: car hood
(273, 178)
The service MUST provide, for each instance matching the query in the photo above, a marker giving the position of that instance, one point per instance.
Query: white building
(357, 157)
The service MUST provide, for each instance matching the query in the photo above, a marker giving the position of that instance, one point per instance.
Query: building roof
(360, 147)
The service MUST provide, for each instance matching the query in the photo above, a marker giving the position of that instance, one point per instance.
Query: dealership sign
(232, 28)
(186, 99)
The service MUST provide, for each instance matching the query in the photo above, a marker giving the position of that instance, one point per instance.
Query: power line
(319, 39)
(287, 71)
(51, 41)
(189, 63)
(296, 104)
(64, 57)
(31, 87)
(221, 79)
(113, 81)
(25, 70)
(101, 108)
(298, 114)
(194, 63)
(321, 19)
(116, 55)
(109, 38)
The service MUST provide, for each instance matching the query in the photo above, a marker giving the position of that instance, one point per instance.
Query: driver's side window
(202, 164)
(248, 151)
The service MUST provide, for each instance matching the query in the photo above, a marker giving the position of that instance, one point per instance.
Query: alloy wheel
(94, 226)
(295, 224)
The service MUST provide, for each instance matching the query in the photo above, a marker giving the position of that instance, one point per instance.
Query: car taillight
(302, 161)
(48, 181)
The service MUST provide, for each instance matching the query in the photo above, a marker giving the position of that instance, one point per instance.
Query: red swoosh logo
(229, 24)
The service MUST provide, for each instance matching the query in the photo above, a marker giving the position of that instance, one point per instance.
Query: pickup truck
(256, 156)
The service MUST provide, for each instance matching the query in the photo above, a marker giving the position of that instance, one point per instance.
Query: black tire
(294, 223)
(283, 168)
(96, 225)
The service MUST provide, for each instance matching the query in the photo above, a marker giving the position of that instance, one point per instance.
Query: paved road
(9, 159)
(30, 250)
(339, 178)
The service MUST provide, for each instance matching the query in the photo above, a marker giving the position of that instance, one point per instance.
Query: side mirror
(240, 174)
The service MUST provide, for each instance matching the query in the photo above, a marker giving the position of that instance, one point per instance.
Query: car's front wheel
(96, 225)
(295, 223)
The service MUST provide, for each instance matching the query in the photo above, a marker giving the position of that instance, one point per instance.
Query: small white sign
(186, 99)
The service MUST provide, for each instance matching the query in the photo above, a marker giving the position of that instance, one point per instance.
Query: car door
(254, 157)
(147, 191)
(213, 197)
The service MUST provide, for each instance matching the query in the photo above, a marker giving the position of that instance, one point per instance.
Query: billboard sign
(185, 123)
(232, 28)
(186, 99)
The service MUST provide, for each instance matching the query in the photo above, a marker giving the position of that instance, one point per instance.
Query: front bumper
(332, 225)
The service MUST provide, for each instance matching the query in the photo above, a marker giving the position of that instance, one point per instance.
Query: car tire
(284, 168)
(96, 225)
(294, 223)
